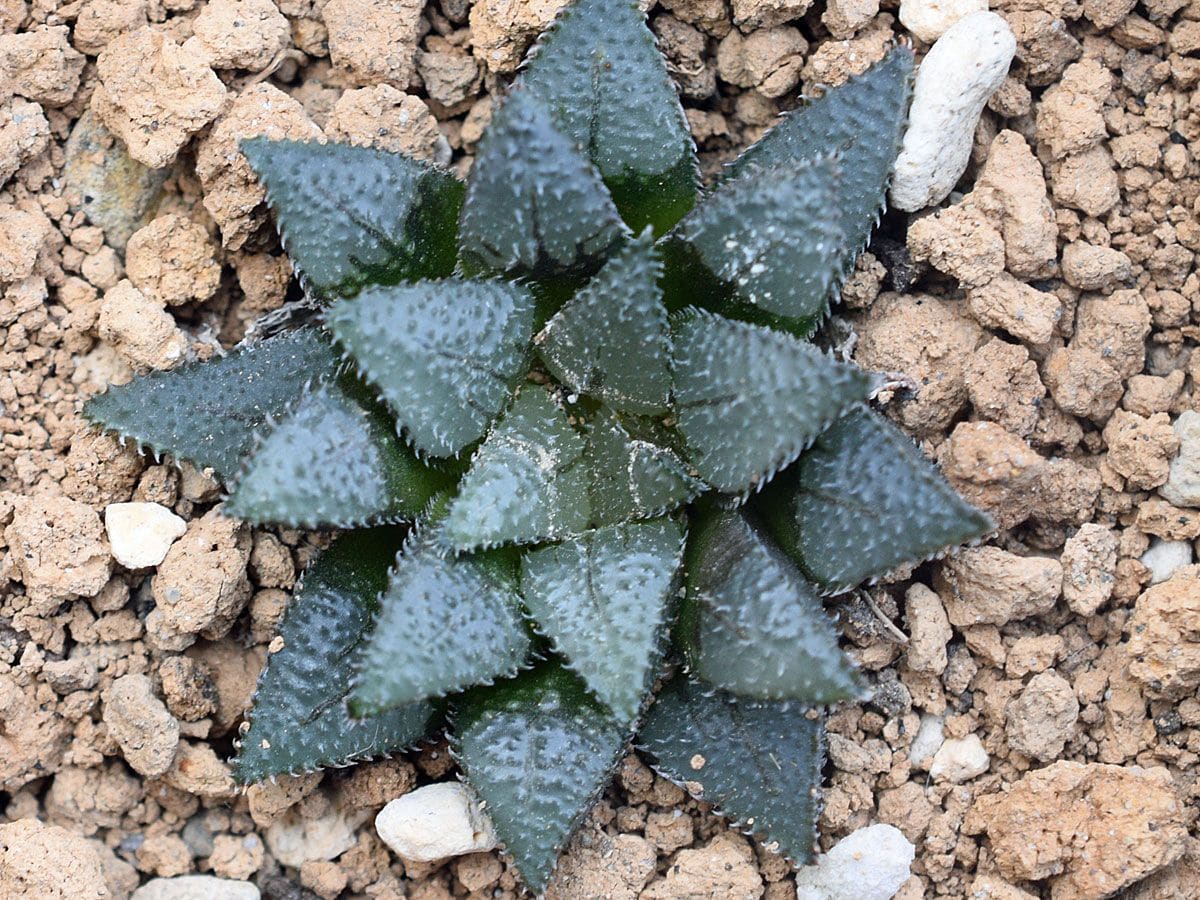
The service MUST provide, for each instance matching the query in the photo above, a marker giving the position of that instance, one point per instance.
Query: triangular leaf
(299, 721)
(862, 121)
(602, 599)
(527, 481)
(758, 761)
(750, 399)
(446, 623)
(351, 216)
(535, 205)
(863, 501)
(633, 478)
(599, 71)
(537, 750)
(334, 460)
(611, 341)
(211, 413)
(445, 355)
(751, 623)
(773, 237)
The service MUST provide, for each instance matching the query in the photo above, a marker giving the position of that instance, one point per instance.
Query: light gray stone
(435, 822)
(1183, 483)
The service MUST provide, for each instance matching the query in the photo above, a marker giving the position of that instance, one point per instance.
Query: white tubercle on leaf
(435, 822)
(868, 864)
(958, 75)
(141, 533)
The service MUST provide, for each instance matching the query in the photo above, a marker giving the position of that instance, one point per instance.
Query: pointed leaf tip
(595, 57)
(750, 399)
(758, 761)
(444, 354)
(610, 341)
(299, 722)
(535, 205)
(352, 216)
(603, 598)
(864, 501)
(537, 750)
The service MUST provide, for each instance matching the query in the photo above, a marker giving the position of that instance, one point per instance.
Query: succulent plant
(590, 479)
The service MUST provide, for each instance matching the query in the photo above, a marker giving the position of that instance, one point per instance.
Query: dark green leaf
(600, 73)
(863, 122)
(750, 399)
(445, 355)
(773, 236)
(445, 624)
(758, 761)
(537, 750)
(535, 205)
(602, 598)
(633, 478)
(527, 481)
(863, 501)
(211, 413)
(610, 341)
(299, 721)
(752, 624)
(351, 216)
(334, 460)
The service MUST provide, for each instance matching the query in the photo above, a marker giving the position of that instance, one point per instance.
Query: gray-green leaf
(537, 750)
(750, 399)
(611, 341)
(602, 598)
(445, 355)
(751, 623)
(299, 721)
(863, 501)
(446, 623)
(758, 761)
(599, 71)
(535, 205)
(211, 413)
(351, 216)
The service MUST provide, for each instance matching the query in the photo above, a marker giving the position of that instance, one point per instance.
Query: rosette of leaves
(567, 422)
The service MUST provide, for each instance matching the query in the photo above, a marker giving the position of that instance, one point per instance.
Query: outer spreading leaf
(774, 237)
(299, 720)
(750, 399)
(633, 478)
(527, 482)
(602, 598)
(535, 205)
(351, 216)
(863, 501)
(446, 355)
(752, 624)
(599, 71)
(759, 761)
(863, 122)
(537, 750)
(610, 341)
(446, 624)
(210, 413)
(333, 460)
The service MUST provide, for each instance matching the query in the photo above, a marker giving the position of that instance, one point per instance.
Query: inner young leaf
(752, 625)
(750, 399)
(351, 216)
(445, 355)
(446, 623)
(535, 205)
(599, 71)
(610, 341)
(298, 722)
(602, 599)
(334, 460)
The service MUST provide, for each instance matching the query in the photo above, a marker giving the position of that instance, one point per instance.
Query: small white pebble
(868, 864)
(141, 533)
(1164, 557)
(436, 822)
(960, 759)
